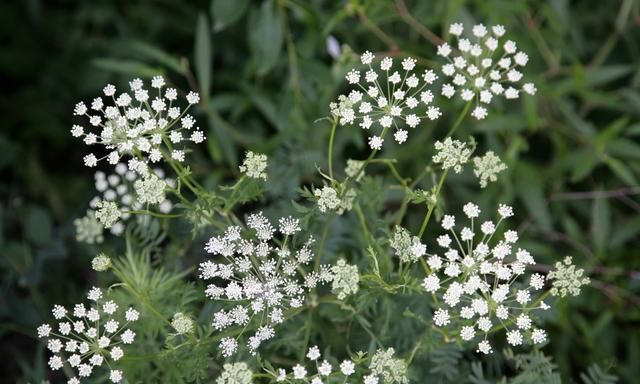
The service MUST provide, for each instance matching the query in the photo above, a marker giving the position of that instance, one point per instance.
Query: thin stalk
(432, 207)
(330, 150)
(460, 118)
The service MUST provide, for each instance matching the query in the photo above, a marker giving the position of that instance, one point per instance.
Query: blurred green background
(267, 70)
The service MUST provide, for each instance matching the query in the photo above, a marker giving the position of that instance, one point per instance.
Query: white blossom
(385, 98)
(87, 338)
(486, 67)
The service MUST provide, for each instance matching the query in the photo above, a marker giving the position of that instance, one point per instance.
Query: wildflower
(392, 370)
(254, 165)
(329, 200)
(487, 167)
(131, 191)
(347, 368)
(101, 263)
(107, 213)
(485, 68)
(408, 249)
(150, 189)
(86, 339)
(314, 353)
(481, 280)
(354, 169)
(387, 98)
(137, 124)
(262, 276)
(182, 323)
(88, 229)
(451, 154)
(236, 373)
(345, 279)
(567, 279)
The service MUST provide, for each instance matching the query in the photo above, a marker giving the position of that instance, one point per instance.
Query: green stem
(323, 239)
(433, 206)
(154, 214)
(330, 150)
(461, 116)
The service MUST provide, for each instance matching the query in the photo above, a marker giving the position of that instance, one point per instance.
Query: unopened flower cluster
(487, 167)
(259, 275)
(399, 98)
(408, 248)
(89, 339)
(567, 279)
(486, 67)
(383, 368)
(480, 280)
(451, 154)
(329, 199)
(144, 125)
(254, 166)
(345, 279)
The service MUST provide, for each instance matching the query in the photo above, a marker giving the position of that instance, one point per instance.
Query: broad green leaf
(227, 12)
(203, 56)
(266, 36)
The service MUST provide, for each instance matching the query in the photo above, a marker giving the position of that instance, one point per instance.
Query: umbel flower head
(145, 124)
(129, 191)
(258, 274)
(383, 368)
(483, 67)
(235, 373)
(89, 338)
(480, 280)
(385, 98)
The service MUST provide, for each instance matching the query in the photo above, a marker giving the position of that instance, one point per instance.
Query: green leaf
(203, 55)
(127, 67)
(600, 223)
(227, 12)
(157, 54)
(621, 171)
(265, 37)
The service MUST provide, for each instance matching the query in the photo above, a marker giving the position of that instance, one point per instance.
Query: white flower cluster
(483, 282)
(329, 199)
(261, 275)
(354, 169)
(487, 167)
(485, 68)
(383, 369)
(408, 248)
(129, 192)
(345, 279)
(145, 125)
(254, 166)
(89, 338)
(182, 323)
(236, 373)
(451, 154)
(567, 279)
(88, 229)
(399, 98)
